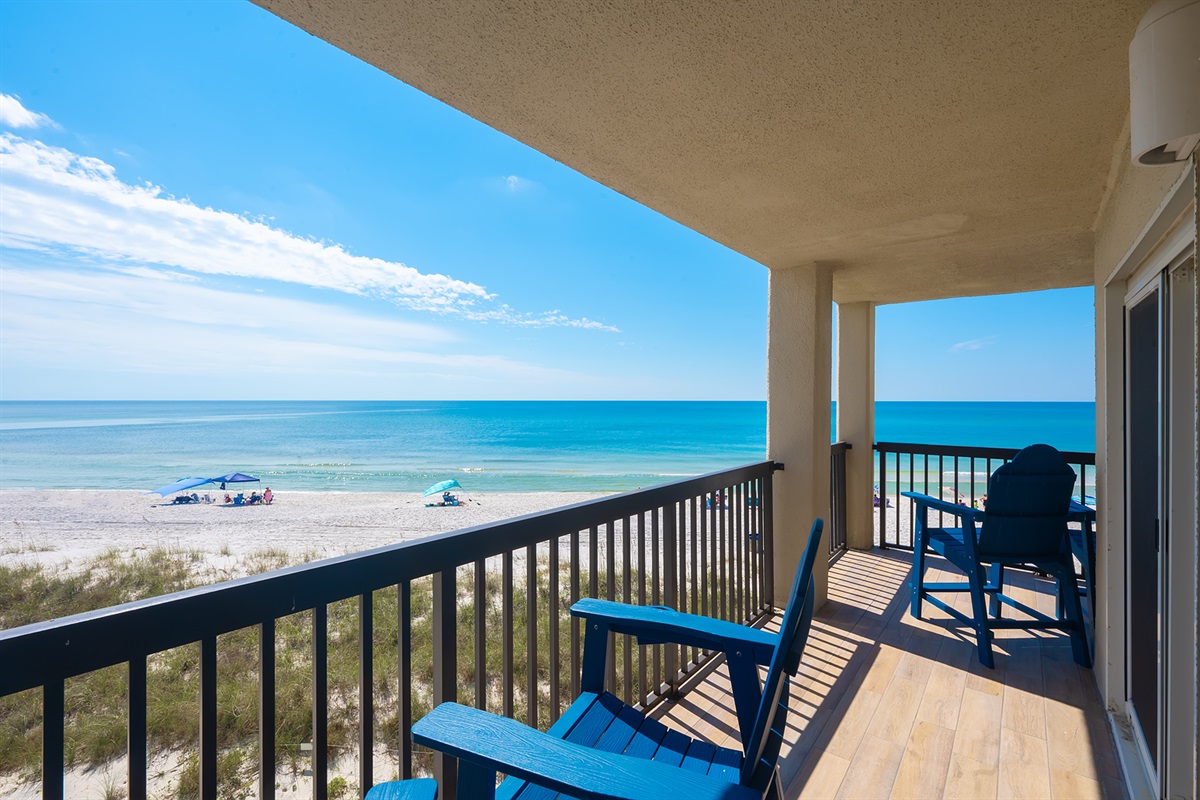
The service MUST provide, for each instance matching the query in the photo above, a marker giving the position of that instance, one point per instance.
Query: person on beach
(267, 496)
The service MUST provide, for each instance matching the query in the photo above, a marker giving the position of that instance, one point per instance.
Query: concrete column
(799, 363)
(856, 417)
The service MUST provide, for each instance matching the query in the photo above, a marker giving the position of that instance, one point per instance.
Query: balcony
(885, 706)
(889, 706)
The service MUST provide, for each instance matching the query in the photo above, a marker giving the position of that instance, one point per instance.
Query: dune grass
(95, 703)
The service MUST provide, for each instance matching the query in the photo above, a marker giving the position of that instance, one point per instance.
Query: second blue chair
(1024, 523)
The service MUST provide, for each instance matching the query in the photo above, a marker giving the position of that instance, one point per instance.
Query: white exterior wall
(1134, 217)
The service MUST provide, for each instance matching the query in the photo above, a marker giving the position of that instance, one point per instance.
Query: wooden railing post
(366, 688)
(52, 739)
(445, 668)
(136, 734)
(208, 718)
(266, 711)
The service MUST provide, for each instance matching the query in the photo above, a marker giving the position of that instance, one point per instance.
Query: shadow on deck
(889, 706)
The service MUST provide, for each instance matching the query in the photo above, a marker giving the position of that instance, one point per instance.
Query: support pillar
(799, 363)
(856, 417)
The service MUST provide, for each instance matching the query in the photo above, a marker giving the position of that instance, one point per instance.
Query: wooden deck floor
(893, 707)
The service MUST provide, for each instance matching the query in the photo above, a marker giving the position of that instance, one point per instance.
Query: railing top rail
(60, 648)
(1071, 457)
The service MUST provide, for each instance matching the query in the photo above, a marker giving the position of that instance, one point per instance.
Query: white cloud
(13, 114)
(128, 324)
(515, 183)
(55, 199)
(972, 344)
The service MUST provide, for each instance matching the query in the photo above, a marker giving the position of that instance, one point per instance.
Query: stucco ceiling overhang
(923, 148)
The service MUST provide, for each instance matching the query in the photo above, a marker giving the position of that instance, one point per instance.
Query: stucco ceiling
(924, 148)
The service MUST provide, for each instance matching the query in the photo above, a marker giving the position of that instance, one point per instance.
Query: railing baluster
(695, 590)
(404, 689)
(366, 693)
(136, 735)
(714, 572)
(531, 637)
(610, 582)
(445, 666)
(641, 567)
(506, 637)
(480, 609)
(670, 597)
(655, 592)
(320, 701)
(756, 521)
(768, 499)
(266, 710)
(555, 643)
(723, 579)
(52, 739)
(208, 718)
(736, 543)
(884, 496)
(575, 655)
(627, 597)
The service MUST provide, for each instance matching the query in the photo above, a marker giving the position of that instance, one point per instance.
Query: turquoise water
(486, 445)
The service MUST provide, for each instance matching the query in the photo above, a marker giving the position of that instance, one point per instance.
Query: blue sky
(200, 201)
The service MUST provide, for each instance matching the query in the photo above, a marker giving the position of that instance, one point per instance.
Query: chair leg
(917, 579)
(775, 788)
(1068, 590)
(983, 635)
(476, 781)
(997, 580)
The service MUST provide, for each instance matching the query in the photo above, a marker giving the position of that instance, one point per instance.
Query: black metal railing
(957, 474)
(837, 499)
(702, 545)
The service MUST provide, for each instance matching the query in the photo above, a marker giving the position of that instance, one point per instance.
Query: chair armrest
(658, 625)
(503, 745)
(925, 501)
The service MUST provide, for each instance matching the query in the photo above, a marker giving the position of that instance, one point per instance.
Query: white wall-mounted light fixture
(1164, 83)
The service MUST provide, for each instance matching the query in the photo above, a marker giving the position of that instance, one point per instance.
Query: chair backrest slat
(762, 748)
(1027, 504)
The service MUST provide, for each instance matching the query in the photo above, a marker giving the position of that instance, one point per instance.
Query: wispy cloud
(13, 114)
(972, 344)
(126, 323)
(515, 183)
(57, 200)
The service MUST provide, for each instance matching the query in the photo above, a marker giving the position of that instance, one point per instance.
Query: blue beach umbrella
(235, 477)
(180, 485)
(441, 487)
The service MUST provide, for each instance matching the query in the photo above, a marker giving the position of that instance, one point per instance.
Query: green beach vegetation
(96, 703)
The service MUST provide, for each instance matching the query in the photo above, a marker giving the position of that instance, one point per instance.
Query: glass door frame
(1140, 291)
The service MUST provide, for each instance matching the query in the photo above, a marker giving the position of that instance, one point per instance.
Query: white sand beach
(62, 527)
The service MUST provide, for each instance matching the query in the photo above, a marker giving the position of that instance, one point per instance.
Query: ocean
(492, 446)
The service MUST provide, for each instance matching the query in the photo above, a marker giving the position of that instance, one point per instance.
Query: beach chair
(602, 748)
(1024, 523)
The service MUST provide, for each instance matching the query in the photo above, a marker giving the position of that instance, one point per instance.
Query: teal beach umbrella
(441, 487)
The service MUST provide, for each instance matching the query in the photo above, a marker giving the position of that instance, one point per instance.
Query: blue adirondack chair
(1024, 523)
(602, 748)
